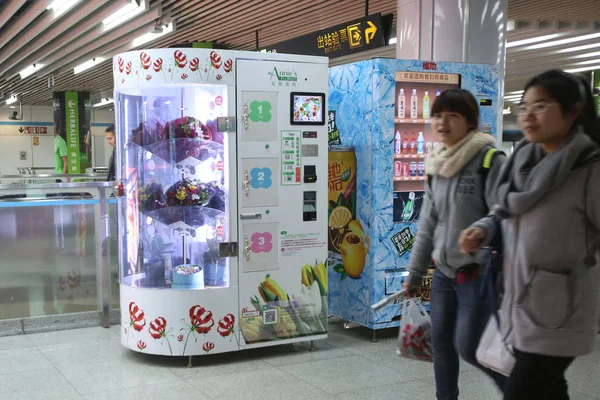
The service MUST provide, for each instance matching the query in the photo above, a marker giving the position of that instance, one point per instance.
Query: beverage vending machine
(380, 135)
(222, 210)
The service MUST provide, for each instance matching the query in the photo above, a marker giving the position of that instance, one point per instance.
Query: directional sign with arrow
(361, 34)
(370, 31)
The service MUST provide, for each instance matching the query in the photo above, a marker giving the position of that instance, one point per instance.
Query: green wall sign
(72, 130)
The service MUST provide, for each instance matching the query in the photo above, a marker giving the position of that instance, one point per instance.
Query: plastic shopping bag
(414, 338)
(492, 352)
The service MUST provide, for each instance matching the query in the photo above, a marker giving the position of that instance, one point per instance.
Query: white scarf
(449, 161)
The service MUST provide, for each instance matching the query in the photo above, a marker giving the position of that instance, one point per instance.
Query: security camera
(14, 115)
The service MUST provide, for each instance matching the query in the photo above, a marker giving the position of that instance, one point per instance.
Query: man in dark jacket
(110, 138)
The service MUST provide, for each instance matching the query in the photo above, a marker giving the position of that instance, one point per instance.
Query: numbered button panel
(260, 182)
(259, 120)
(261, 244)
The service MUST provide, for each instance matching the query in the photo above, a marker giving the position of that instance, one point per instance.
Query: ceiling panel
(236, 24)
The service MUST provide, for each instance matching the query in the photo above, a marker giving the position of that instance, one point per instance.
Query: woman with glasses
(548, 197)
(459, 192)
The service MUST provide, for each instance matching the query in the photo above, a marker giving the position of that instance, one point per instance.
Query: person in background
(61, 163)
(110, 138)
(549, 204)
(459, 192)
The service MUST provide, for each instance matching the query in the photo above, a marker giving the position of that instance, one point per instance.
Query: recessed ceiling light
(124, 14)
(149, 37)
(87, 65)
(538, 39)
(30, 70)
(583, 69)
(562, 41)
(61, 6)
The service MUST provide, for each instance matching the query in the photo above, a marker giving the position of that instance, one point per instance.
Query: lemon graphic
(339, 218)
(356, 228)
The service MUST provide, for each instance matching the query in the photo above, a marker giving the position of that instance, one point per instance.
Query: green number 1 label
(260, 111)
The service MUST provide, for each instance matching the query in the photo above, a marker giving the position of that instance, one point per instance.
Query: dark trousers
(458, 318)
(537, 377)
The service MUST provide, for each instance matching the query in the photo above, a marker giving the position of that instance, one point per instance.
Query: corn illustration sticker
(276, 314)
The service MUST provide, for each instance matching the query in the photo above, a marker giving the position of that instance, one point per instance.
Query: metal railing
(74, 278)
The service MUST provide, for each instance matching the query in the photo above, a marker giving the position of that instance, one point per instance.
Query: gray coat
(450, 206)
(551, 268)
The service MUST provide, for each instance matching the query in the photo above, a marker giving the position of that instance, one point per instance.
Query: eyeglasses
(537, 108)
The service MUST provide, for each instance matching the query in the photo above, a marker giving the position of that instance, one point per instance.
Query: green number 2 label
(260, 111)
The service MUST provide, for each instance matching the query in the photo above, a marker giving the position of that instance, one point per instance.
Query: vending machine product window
(307, 108)
(414, 138)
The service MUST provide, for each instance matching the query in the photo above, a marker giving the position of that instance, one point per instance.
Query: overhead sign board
(340, 40)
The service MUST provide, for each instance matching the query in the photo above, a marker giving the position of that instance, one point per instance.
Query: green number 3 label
(260, 111)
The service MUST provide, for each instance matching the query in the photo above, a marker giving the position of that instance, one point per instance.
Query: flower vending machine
(222, 217)
(380, 135)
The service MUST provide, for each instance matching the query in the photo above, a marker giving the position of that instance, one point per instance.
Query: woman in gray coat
(548, 198)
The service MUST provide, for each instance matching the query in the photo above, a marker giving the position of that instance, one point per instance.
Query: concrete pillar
(470, 31)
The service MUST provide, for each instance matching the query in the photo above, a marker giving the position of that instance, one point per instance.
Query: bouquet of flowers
(151, 197)
(153, 136)
(188, 193)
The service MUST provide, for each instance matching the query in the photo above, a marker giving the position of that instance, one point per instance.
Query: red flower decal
(74, 278)
(226, 325)
(128, 68)
(194, 64)
(141, 345)
(184, 76)
(145, 60)
(136, 317)
(148, 77)
(158, 328)
(228, 65)
(215, 60)
(123, 80)
(158, 65)
(219, 77)
(201, 319)
(121, 63)
(180, 338)
(180, 59)
(208, 346)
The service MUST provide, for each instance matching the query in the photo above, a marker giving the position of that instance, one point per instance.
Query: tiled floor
(91, 364)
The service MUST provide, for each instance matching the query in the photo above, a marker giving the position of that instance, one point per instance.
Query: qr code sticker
(270, 317)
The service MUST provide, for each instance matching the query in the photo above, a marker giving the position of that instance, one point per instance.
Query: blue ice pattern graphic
(260, 178)
(363, 96)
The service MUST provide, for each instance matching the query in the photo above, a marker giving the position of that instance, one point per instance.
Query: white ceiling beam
(88, 43)
(29, 15)
(9, 10)
(41, 24)
(56, 37)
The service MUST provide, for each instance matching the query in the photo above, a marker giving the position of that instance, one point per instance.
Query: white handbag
(492, 352)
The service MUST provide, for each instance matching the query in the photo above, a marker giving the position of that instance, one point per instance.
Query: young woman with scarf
(548, 197)
(462, 172)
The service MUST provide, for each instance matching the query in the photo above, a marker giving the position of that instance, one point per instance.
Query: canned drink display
(342, 193)
(405, 170)
(421, 168)
(413, 168)
(397, 168)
